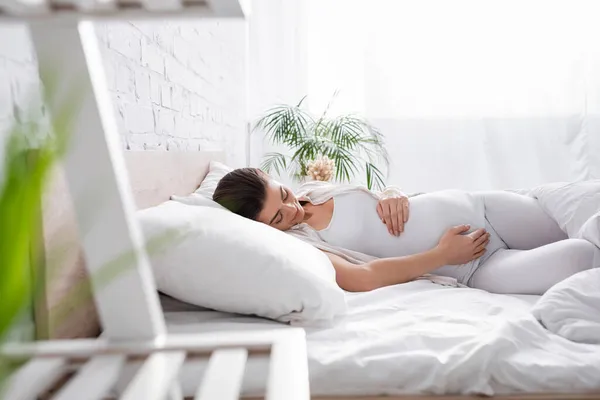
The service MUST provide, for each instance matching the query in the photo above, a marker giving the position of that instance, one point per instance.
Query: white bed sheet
(421, 338)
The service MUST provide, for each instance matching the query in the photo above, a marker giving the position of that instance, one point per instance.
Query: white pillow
(571, 308)
(216, 171)
(590, 231)
(571, 205)
(229, 263)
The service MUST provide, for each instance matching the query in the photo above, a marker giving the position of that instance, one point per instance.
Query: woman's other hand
(457, 248)
(393, 212)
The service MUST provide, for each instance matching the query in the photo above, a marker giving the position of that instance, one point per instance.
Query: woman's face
(282, 209)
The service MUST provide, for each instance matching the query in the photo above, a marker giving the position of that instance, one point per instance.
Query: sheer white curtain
(469, 94)
(277, 64)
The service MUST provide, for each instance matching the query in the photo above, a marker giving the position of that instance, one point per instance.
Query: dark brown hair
(243, 191)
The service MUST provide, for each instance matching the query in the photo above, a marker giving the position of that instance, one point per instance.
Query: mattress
(419, 338)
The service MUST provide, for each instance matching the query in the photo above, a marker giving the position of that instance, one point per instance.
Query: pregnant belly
(431, 215)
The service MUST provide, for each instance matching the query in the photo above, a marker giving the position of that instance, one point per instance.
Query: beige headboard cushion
(65, 308)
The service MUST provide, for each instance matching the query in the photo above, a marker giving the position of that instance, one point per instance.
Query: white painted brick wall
(176, 86)
(20, 98)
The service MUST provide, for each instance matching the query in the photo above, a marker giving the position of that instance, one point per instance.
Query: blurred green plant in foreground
(21, 187)
(24, 172)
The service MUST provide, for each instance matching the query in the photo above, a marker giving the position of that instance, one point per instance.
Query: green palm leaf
(285, 125)
(374, 177)
(308, 150)
(274, 162)
(342, 132)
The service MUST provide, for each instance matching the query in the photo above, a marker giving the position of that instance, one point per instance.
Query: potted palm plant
(324, 148)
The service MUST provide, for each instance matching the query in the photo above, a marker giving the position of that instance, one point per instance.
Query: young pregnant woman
(497, 241)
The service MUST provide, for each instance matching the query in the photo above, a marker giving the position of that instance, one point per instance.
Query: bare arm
(454, 248)
(384, 271)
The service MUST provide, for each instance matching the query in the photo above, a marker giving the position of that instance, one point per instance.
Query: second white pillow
(216, 171)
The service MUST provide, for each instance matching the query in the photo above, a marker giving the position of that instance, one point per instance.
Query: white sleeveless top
(356, 226)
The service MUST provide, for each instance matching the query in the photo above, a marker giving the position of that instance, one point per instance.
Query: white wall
(176, 86)
(19, 80)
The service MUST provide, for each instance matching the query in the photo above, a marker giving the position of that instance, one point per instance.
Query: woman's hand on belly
(457, 248)
(393, 212)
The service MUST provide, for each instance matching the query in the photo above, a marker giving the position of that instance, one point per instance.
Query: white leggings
(528, 253)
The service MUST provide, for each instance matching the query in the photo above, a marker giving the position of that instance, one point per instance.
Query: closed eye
(278, 217)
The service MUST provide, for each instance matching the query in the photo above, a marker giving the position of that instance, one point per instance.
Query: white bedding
(422, 338)
(571, 308)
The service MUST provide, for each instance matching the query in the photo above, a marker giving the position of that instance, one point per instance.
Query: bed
(396, 341)
(368, 352)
